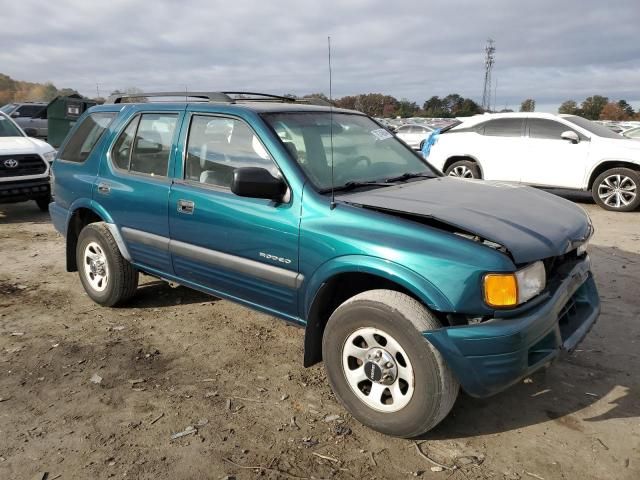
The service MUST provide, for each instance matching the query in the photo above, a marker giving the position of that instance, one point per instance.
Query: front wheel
(463, 169)
(107, 277)
(617, 189)
(43, 203)
(382, 369)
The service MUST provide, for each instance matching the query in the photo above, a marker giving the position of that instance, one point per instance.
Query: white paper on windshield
(381, 134)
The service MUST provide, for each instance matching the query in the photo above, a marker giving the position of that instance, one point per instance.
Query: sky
(550, 51)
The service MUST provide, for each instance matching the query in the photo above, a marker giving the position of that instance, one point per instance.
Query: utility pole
(489, 60)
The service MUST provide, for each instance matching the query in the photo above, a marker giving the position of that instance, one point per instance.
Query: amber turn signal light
(500, 290)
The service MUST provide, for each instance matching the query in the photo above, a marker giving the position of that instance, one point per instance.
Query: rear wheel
(617, 189)
(107, 277)
(463, 169)
(382, 369)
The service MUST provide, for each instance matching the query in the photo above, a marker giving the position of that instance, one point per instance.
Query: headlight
(531, 281)
(49, 156)
(511, 289)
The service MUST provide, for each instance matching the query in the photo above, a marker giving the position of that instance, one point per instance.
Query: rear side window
(503, 127)
(86, 136)
(546, 129)
(145, 145)
(29, 110)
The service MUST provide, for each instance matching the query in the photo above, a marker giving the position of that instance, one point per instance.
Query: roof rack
(220, 97)
(258, 97)
(203, 96)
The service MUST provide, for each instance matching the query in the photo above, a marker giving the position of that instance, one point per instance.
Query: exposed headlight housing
(49, 156)
(582, 248)
(511, 289)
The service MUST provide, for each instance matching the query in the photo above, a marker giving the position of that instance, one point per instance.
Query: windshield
(7, 108)
(362, 150)
(8, 128)
(595, 128)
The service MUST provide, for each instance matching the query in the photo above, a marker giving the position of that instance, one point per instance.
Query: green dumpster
(62, 114)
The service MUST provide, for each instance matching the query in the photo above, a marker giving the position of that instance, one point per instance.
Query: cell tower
(489, 60)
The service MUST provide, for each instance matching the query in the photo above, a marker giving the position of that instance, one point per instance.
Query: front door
(242, 248)
(551, 160)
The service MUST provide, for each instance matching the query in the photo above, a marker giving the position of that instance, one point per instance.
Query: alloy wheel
(617, 191)
(461, 171)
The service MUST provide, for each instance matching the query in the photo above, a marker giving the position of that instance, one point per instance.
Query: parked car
(541, 149)
(24, 165)
(409, 284)
(28, 116)
(632, 133)
(413, 135)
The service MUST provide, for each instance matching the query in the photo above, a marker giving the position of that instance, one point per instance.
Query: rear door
(133, 185)
(500, 148)
(551, 160)
(243, 248)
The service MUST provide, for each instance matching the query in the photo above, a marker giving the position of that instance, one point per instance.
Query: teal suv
(410, 285)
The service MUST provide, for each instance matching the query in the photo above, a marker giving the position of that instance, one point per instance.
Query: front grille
(553, 265)
(26, 165)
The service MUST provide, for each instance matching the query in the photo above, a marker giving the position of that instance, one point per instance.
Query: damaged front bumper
(489, 357)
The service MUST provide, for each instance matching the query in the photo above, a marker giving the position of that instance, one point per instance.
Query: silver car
(28, 116)
(414, 135)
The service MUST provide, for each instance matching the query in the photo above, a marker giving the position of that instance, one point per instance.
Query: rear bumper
(59, 216)
(491, 356)
(21, 190)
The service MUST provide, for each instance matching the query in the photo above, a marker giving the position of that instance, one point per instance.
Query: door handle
(186, 206)
(104, 188)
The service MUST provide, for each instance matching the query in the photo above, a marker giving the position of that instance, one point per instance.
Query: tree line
(19, 91)
(598, 107)
(380, 105)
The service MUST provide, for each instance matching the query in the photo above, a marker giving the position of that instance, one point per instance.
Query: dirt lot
(175, 358)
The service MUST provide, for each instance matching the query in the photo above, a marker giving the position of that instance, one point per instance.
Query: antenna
(333, 195)
(489, 60)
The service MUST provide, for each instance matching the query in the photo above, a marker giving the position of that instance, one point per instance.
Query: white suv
(24, 166)
(546, 150)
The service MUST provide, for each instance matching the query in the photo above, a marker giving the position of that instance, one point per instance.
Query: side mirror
(571, 136)
(15, 115)
(257, 182)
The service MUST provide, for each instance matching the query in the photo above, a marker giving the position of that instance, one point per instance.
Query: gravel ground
(231, 379)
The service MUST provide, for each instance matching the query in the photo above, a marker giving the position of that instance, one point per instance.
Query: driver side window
(218, 145)
(546, 129)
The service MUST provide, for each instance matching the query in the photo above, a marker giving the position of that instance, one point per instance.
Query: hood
(622, 146)
(18, 145)
(529, 223)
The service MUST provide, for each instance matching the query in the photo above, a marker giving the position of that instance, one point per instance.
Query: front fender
(424, 290)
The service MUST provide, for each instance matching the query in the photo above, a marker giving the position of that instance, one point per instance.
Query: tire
(463, 169)
(617, 189)
(43, 203)
(119, 278)
(397, 319)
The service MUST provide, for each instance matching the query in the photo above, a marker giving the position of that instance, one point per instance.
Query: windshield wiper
(354, 184)
(407, 176)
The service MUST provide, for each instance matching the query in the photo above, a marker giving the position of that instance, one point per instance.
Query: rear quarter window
(84, 139)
